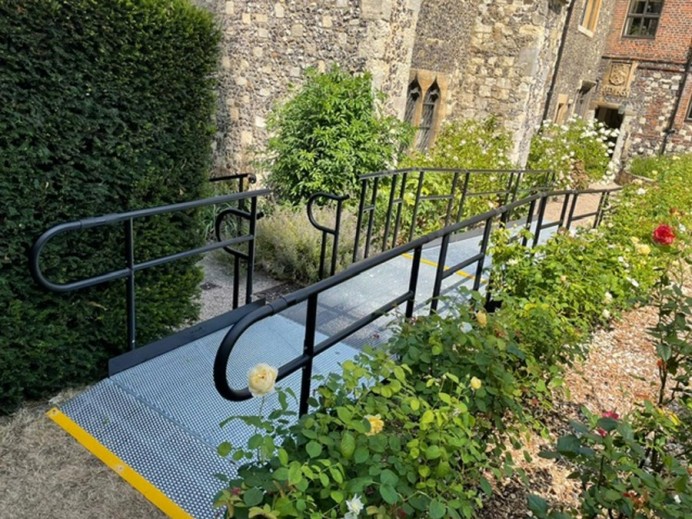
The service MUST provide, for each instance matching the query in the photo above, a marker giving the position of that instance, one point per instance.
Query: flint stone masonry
(268, 45)
(495, 56)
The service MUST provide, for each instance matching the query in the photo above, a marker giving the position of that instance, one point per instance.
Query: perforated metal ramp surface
(161, 418)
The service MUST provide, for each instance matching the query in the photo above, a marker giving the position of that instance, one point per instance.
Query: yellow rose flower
(482, 319)
(642, 248)
(261, 379)
(634, 239)
(376, 424)
(476, 383)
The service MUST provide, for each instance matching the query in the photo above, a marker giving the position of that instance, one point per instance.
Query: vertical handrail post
(308, 352)
(414, 216)
(529, 221)
(359, 219)
(371, 216)
(539, 222)
(388, 216)
(131, 304)
(575, 196)
(337, 234)
(413, 281)
(251, 251)
(450, 202)
(399, 208)
(484, 251)
(464, 189)
(599, 211)
(439, 273)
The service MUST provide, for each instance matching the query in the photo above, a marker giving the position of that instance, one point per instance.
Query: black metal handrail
(335, 232)
(127, 219)
(394, 184)
(312, 292)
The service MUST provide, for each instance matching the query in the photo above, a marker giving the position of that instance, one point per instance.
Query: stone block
(241, 81)
(257, 52)
(297, 30)
(229, 8)
(279, 10)
(371, 9)
(226, 62)
(247, 19)
(261, 18)
(262, 32)
(327, 21)
(235, 114)
(245, 138)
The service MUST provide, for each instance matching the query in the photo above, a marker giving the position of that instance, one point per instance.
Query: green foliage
(471, 344)
(288, 246)
(466, 144)
(329, 133)
(369, 435)
(664, 165)
(460, 145)
(578, 151)
(104, 107)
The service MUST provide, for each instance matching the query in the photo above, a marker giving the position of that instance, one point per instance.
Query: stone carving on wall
(617, 82)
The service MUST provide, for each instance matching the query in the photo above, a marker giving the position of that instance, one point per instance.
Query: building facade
(440, 60)
(645, 75)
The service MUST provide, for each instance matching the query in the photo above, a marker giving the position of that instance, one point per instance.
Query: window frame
(631, 15)
(688, 117)
(590, 16)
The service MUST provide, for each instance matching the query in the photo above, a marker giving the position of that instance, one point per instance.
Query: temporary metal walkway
(156, 422)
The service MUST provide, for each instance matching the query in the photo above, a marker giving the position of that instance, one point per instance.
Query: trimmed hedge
(104, 107)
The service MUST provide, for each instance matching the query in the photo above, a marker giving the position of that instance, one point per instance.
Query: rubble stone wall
(268, 44)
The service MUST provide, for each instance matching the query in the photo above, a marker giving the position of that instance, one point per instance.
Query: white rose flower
(261, 379)
(355, 506)
(608, 298)
(606, 314)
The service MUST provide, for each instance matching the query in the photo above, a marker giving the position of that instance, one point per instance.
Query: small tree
(330, 132)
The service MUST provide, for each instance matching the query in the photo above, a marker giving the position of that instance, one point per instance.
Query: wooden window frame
(631, 16)
(589, 20)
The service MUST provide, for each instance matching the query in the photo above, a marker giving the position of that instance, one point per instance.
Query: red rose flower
(663, 234)
(610, 414)
(602, 432)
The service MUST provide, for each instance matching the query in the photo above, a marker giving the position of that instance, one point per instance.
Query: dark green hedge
(105, 106)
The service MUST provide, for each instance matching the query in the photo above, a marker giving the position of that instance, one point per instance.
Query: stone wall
(648, 109)
(511, 58)
(580, 59)
(267, 46)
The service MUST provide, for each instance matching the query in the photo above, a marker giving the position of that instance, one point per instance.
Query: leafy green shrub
(470, 344)
(329, 133)
(370, 442)
(654, 167)
(288, 246)
(460, 145)
(90, 123)
(578, 151)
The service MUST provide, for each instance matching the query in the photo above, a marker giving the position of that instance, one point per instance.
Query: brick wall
(673, 36)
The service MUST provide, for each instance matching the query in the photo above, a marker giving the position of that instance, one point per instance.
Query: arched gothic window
(430, 106)
(412, 99)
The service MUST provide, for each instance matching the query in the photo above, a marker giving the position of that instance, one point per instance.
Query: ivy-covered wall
(104, 107)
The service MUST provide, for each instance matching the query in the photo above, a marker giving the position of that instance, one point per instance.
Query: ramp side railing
(535, 205)
(391, 203)
(132, 266)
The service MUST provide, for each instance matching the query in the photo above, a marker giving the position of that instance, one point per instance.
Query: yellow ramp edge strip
(134, 478)
(461, 273)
